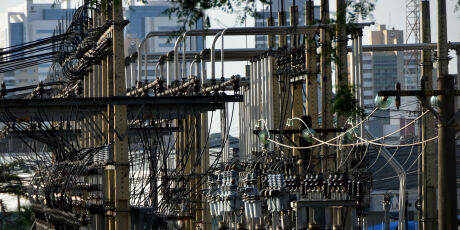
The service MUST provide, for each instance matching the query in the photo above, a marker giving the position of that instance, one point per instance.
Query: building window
(168, 28)
(367, 70)
(260, 38)
(166, 45)
(44, 31)
(10, 82)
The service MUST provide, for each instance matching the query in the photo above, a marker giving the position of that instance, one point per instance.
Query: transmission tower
(412, 58)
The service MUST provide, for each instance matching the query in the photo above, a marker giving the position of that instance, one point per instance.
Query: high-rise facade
(381, 71)
(28, 22)
(31, 21)
(262, 15)
(147, 16)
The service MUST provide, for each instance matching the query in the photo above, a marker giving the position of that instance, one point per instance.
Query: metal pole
(268, 92)
(399, 169)
(264, 90)
(386, 208)
(360, 74)
(184, 49)
(458, 76)
(428, 169)
(176, 75)
(128, 76)
(145, 64)
(170, 71)
(447, 199)
(257, 96)
(252, 139)
(133, 74)
(213, 57)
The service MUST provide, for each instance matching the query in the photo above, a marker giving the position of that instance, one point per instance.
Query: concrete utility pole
(326, 85)
(341, 73)
(120, 145)
(428, 166)
(108, 131)
(447, 199)
(275, 84)
(312, 78)
(296, 88)
(312, 73)
(341, 52)
(341, 81)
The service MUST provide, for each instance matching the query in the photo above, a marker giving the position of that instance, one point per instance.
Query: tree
(10, 182)
(189, 12)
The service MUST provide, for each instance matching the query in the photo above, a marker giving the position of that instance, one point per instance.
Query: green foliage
(359, 9)
(345, 103)
(457, 6)
(21, 220)
(189, 12)
(10, 182)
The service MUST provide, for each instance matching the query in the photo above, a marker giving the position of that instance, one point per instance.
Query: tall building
(261, 19)
(381, 71)
(147, 16)
(28, 22)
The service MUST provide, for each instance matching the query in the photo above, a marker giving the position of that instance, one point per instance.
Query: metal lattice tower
(413, 21)
(412, 58)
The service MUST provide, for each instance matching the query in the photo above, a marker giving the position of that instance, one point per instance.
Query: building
(147, 16)
(28, 22)
(381, 71)
(261, 19)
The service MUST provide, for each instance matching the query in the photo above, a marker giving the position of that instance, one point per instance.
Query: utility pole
(428, 167)
(341, 52)
(447, 199)
(341, 82)
(296, 87)
(312, 79)
(312, 75)
(274, 82)
(108, 130)
(326, 85)
(120, 147)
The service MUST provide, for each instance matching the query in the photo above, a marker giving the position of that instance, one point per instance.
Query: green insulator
(353, 134)
(434, 100)
(264, 135)
(308, 134)
(383, 103)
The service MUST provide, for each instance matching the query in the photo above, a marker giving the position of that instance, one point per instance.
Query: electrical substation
(114, 148)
